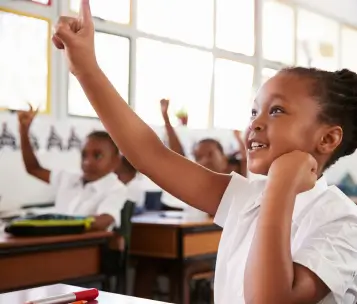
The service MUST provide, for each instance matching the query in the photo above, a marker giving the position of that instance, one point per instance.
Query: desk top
(6, 240)
(20, 297)
(155, 218)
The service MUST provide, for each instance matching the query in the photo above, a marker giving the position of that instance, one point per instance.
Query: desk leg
(180, 283)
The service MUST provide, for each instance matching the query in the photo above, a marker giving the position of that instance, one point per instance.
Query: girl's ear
(330, 140)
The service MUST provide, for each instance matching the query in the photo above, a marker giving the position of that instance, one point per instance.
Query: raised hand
(76, 37)
(26, 118)
(164, 106)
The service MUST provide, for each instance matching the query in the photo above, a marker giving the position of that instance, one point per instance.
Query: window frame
(48, 105)
(129, 80)
(57, 89)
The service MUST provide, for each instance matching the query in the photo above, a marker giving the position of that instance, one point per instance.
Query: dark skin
(124, 174)
(285, 116)
(98, 159)
(208, 155)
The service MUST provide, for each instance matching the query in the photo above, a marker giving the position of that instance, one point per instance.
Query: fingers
(57, 42)
(64, 31)
(85, 13)
(31, 108)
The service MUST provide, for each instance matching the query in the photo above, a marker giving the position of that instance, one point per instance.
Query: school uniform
(136, 191)
(323, 238)
(104, 196)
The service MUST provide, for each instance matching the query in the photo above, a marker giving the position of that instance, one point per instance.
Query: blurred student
(129, 176)
(95, 191)
(207, 152)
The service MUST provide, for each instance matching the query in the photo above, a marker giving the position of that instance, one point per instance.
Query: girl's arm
(174, 141)
(270, 274)
(32, 165)
(182, 178)
(243, 153)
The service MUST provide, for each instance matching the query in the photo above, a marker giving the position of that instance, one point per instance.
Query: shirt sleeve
(236, 191)
(331, 253)
(113, 203)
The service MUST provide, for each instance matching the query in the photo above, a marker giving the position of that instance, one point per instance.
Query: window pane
(178, 19)
(25, 79)
(317, 41)
(113, 57)
(235, 26)
(278, 32)
(232, 94)
(267, 74)
(183, 75)
(110, 10)
(349, 47)
(46, 2)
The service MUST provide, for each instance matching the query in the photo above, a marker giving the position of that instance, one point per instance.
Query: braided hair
(336, 92)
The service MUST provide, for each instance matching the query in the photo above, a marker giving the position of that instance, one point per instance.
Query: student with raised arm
(94, 192)
(207, 152)
(287, 239)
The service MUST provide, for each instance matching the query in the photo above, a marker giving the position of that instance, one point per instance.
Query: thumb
(85, 13)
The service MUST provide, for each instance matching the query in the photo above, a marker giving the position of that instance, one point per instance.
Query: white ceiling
(344, 10)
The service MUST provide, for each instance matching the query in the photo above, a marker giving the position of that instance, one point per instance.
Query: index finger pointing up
(85, 12)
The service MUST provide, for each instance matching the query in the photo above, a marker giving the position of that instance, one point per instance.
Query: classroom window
(46, 2)
(113, 54)
(348, 48)
(278, 32)
(190, 21)
(267, 74)
(26, 79)
(235, 26)
(181, 74)
(232, 94)
(110, 10)
(317, 44)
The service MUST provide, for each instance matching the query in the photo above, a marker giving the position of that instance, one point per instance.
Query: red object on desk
(85, 295)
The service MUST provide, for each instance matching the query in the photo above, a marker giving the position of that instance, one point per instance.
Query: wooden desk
(182, 241)
(34, 261)
(20, 297)
(160, 237)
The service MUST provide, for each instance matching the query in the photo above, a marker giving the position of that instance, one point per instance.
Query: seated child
(94, 192)
(207, 152)
(128, 175)
(289, 238)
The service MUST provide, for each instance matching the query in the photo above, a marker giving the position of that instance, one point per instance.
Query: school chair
(202, 287)
(153, 201)
(118, 256)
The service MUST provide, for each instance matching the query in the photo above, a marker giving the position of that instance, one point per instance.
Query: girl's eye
(98, 156)
(276, 111)
(254, 113)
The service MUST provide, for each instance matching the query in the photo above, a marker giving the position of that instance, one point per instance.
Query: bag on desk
(49, 224)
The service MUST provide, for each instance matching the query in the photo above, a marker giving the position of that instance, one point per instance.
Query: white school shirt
(136, 191)
(323, 238)
(104, 196)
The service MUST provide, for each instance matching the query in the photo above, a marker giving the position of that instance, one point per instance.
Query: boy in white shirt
(94, 192)
(287, 240)
(128, 175)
